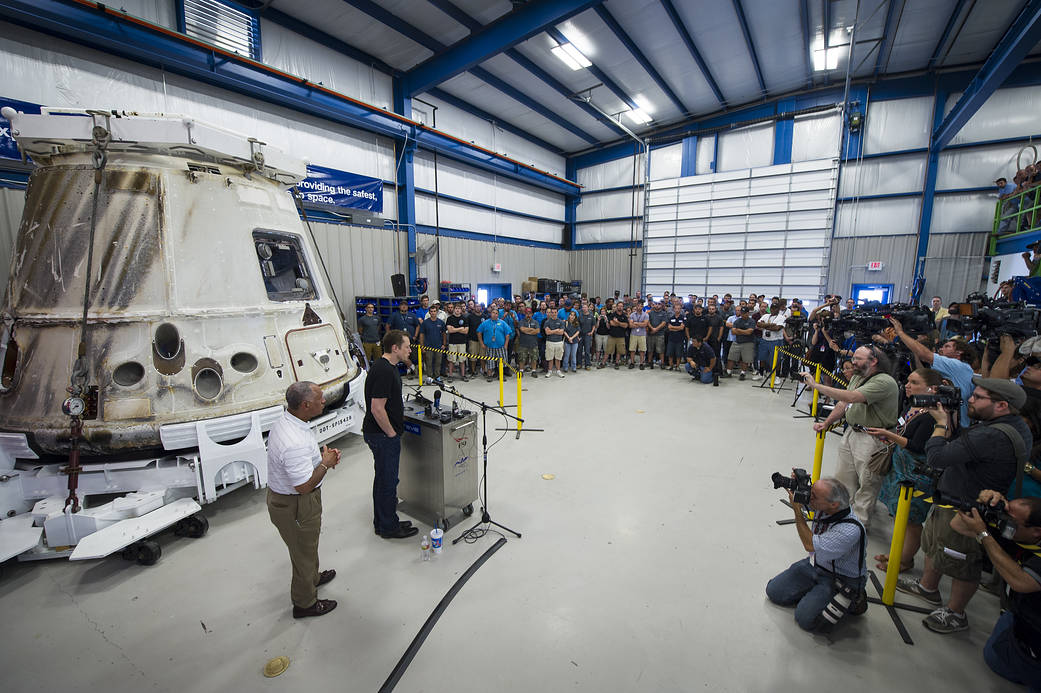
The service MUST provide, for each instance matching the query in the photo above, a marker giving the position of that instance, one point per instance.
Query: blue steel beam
(888, 32)
(925, 219)
(613, 86)
(1017, 42)
(951, 21)
(750, 44)
(522, 98)
(93, 25)
(457, 14)
(519, 58)
(453, 100)
(405, 29)
(688, 40)
(405, 178)
(473, 25)
(339, 46)
(807, 38)
(616, 28)
(515, 27)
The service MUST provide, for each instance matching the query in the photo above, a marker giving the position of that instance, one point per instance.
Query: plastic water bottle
(424, 548)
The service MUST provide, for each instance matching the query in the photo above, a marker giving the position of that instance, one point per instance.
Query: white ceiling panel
(428, 19)
(484, 11)
(921, 27)
(357, 29)
(717, 34)
(505, 68)
(985, 26)
(473, 90)
(777, 34)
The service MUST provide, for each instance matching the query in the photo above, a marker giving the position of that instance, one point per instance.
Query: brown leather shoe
(326, 576)
(319, 608)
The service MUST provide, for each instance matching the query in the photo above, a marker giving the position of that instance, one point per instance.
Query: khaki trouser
(856, 450)
(298, 519)
(372, 350)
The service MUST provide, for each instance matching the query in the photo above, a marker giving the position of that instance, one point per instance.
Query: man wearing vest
(829, 583)
(983, 456)
(872, 401)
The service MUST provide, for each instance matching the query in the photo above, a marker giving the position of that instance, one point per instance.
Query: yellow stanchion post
(773, 369)
(896, 548)
(500, 383)
(520, 414)
(818, 456)
(419, 366)
(816, 394)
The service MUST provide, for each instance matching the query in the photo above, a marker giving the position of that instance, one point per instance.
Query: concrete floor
(642, 568)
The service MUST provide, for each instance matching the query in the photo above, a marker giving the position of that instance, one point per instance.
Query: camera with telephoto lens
(994, 515)
(799, 486)
(947, 396)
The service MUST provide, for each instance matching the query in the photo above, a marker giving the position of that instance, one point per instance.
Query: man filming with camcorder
(984, 456)
(872, 401)
(1013, 650)
(829, 583)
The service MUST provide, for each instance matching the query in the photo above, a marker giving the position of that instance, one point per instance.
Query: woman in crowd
(572, 333)
(916, 426)
(602, 332)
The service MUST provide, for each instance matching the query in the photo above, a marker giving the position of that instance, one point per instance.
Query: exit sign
(497, 267)
(875, 266)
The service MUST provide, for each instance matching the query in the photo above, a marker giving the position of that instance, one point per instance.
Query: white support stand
(234, 463)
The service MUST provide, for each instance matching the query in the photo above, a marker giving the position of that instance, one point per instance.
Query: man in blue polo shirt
(954, 362)
(494, 335)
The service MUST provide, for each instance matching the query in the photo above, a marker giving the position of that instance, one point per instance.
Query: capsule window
(244, 362)
(167, 341)
(208, 383)
(129, 373)
(283, 266)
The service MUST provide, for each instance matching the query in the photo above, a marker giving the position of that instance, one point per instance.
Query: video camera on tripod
(873, 318)
(991, 318)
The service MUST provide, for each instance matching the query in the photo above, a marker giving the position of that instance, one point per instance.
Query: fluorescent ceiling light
(638, 116)
(827, 58)
(571, 56)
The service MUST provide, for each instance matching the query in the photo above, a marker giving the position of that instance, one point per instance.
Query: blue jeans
(1005, 655)
(585, 347)
(385, 453)
(706, 374)
(570, 352)
(808, 589)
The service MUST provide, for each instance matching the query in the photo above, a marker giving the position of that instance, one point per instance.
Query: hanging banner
(8, 147)
(331, 188)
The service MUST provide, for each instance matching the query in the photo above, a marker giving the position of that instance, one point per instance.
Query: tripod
(486, 517)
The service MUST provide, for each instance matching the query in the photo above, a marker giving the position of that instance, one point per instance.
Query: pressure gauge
(73, 406)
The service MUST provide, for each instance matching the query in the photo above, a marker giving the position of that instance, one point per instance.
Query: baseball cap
(1004, 389)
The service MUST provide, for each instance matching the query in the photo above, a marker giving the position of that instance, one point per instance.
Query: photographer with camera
(829, 583)
(871, 401)
(1013, 650)
(983, 456)
(954, 362)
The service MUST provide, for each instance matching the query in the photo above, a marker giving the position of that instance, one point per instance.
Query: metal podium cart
(438, 469)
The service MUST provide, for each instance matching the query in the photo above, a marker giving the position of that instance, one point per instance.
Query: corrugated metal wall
(849, 258)
(954, 265)
(953, 268)
(601, 271)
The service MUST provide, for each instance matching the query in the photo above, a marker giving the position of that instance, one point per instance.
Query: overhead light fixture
(827, 58)
(638, 116)
(571, 56)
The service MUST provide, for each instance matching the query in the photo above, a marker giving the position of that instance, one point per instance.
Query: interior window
(283, 266)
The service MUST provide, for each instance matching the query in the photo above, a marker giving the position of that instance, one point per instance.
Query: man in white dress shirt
(295, 469)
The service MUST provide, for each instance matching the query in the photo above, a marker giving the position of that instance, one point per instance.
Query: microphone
(445, 388)
(437, 399)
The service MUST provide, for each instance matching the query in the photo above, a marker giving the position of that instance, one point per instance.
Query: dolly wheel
(148, 552)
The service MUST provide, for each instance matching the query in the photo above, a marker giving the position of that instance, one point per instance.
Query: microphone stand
(486, 517)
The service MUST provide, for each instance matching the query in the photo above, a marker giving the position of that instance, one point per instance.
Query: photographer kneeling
(872, 401)
(829, 583)
(701, 361)
(1013, 650)
(983, 456)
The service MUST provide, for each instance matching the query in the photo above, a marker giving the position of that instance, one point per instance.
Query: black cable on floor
(417, 642)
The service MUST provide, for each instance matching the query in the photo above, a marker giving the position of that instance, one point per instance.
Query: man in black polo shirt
(458, 332)
(701, 362)
(697, 323)
(1013, 650)
(715, 322)
(675, 336)
(618, 323)
(382, 428)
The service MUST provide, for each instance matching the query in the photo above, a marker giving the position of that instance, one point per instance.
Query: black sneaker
(742, 376)
(641, 366)
(534, 374)
(616, 366)
(632, 366)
